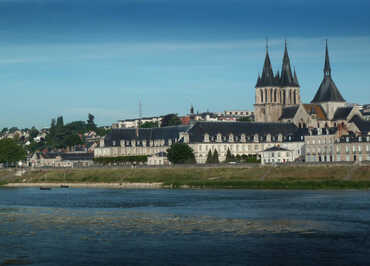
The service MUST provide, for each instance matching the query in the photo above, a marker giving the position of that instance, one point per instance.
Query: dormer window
(255, 138)
(231, 138)
(242, 138)
(206, 137)
(280, 137)
(359, 139)
(219, 137)
(268, 138)
(347, 139)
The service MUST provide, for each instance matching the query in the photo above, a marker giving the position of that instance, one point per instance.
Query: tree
(180, 153)
(170, 120)
(11, 152)
(60, 122)
(90, 123)
(229, 156)
(215, 157)
(33, 132)
(149, 124)
(209, 157)
(245, 119)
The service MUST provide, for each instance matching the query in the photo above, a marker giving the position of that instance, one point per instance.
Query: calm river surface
(183, 227)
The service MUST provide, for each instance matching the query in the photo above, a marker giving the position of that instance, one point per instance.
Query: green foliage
(100, 131)
(13, 129)
(215, 157)
(33, 132)
(122, 159)
(11, 152)
(212, 158)
(229, 156)
(62, 136)
(245, 119)
(60, 122)
(5, 129)
(249, 159)
(180, 153)
(149, 125)
(170, 120)
(209, 157)
(90, 123)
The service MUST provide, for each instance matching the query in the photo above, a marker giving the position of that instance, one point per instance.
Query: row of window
(245, 138)
(339, 148)
(337, 158)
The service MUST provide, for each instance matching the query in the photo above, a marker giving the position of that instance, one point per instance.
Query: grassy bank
(284, 177)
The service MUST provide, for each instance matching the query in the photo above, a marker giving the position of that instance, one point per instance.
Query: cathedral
(278, 98)
(275, 92)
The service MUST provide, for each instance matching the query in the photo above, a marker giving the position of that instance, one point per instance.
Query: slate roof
(144, 134)
(342, 113)
(289, 112)
(328, 91)
(276, 148)
(267, 78)
(286, 78)
(315, 109)
(196, 133)
(78, 156)
(362, 125)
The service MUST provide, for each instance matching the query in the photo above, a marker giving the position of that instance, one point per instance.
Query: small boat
(45, 188)
(64, 186)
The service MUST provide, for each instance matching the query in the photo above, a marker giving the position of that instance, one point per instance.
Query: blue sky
(62, 57)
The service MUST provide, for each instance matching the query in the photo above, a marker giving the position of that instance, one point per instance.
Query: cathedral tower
(328, 95)
(274, 92)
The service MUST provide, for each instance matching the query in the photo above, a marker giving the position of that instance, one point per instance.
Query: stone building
(275, 92)
(277, 155)
(350, 143)
(241, 138)
(327, 109)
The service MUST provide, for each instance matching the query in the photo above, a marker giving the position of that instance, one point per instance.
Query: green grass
(283, 177)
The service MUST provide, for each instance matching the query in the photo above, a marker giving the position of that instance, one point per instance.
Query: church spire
(286, 71)
(328, 91)
(327, 68)
(267, 77)
(295, 78)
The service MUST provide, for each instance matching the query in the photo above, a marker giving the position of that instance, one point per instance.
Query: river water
(183, 227)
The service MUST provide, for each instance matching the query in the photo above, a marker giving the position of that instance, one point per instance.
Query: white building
(277, 155)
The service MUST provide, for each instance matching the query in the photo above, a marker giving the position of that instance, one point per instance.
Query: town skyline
(105, 58)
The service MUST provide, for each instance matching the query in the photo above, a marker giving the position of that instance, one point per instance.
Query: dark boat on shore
(64, 186)
(45, 188)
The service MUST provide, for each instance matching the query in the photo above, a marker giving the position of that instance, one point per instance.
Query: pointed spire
(327, 68)
(328, 91)
(286, 72)
(267, 78)
(295, 78)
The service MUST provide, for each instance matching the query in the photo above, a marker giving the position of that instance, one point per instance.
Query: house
(277, 155)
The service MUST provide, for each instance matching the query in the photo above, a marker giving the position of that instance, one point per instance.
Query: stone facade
(241, 138)
(331, 147)
(277, 155)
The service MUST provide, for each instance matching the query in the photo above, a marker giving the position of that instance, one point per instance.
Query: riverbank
(281, 177)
